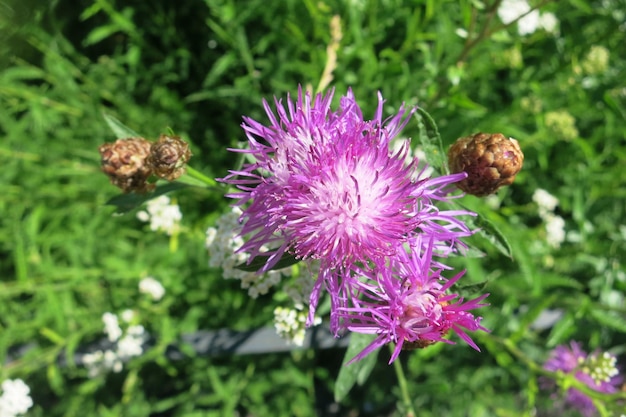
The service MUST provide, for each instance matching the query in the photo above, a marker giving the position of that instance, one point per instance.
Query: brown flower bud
(168, 157)
(124, 161)
(490, 160)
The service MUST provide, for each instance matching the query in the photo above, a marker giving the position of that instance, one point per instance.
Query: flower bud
(490, 160)
(168, 157)
(124, 161)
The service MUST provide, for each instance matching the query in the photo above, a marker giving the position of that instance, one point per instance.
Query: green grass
(197, 68)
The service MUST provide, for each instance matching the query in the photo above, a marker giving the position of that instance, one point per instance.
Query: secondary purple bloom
(597, 370)
(408, 304)
(323, 184)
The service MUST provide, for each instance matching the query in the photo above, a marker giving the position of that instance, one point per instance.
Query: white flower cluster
(127, 344)
(222, 243)
(555, 225)
(162, 215)
(511, 10)
(151, 287)
(601, 368)
(15, 399)
(290, 324)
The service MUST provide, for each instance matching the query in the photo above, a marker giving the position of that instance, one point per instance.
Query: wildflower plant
(331, 190)
(343, 213)
(329, 203)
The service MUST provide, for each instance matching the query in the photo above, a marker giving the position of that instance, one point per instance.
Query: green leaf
(356, 372)
(486, 229)
(259, 261)
(469, 290)
(99, 34)
(127, 202)
(493, 235)
(120, 130)
(52, 336)
(430, 140)
(562, 330)
(55, 379)
(609, 319)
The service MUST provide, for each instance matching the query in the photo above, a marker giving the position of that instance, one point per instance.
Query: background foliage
(197, 67)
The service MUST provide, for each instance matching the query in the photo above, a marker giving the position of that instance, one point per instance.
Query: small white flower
(131, 344)
(15, 398)
(546, 201)
(126, 345)
(162, 215)
(151, 287)
(222, 243)
(290, 324)
(127, 315)
(111, 326)
(548, 22)
(112, 361)
(555, 231)
(511, 10)
(529, 23)
(461, 33)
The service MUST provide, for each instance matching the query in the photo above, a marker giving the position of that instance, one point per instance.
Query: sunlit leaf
(430, 141)
(119, 129)
(491, 233)
(356, 372)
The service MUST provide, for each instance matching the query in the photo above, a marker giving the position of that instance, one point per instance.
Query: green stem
(408, 404)
(193, 177)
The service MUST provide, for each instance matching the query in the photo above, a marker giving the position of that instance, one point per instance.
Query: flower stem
(406, 400)
(193, 177)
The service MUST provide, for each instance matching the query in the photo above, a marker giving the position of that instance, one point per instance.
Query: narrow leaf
(489, 231)
(259, 262)
(356, 372)
(562, 330)
(469, 290)
(127, 202)
(609, 319)
(430, 140)
(120, 130)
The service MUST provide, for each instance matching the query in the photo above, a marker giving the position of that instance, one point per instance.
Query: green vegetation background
(197, 67)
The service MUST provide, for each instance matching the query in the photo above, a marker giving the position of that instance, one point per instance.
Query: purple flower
(408, 304)
(597, 370)
(324, 185)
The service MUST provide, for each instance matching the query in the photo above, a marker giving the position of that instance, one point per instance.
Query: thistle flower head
(325, 184)
(597, 370)
(409, 304)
